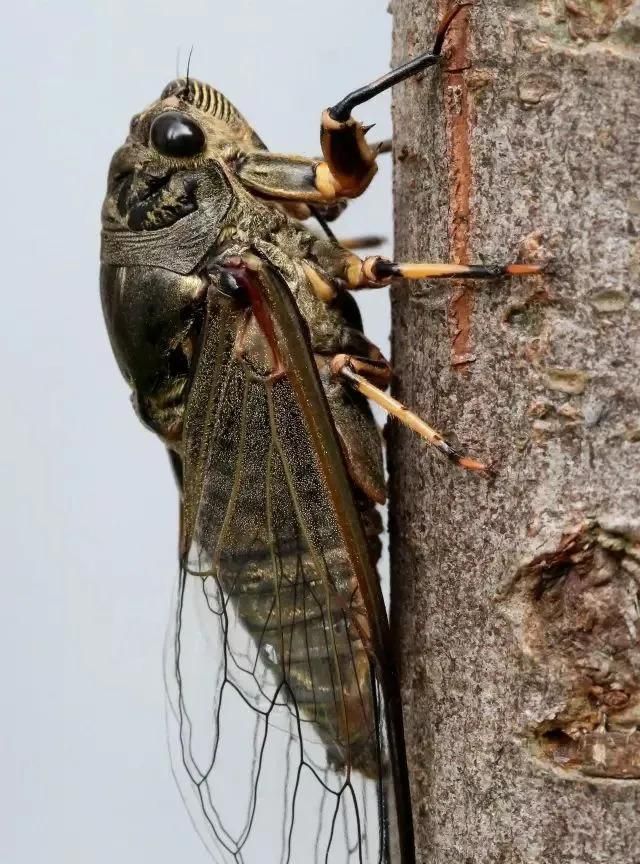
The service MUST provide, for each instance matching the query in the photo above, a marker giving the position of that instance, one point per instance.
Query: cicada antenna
(184, 92)
(188, 68)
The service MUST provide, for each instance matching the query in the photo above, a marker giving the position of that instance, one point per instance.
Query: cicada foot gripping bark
(235, 328)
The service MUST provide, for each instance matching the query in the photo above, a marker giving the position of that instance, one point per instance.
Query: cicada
(234, 325)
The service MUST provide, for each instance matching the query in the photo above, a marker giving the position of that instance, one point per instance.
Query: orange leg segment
(375, 271)
(358, 374)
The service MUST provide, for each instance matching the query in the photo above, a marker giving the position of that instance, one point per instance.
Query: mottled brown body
(245, 220)
(173, 232)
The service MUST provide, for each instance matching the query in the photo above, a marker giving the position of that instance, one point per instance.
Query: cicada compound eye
(176, 134)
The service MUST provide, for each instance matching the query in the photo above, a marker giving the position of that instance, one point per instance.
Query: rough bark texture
(516, 600)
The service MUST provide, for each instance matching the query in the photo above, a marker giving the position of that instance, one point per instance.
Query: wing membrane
(274, 689)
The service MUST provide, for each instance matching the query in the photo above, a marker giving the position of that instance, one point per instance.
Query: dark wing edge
(279, 665)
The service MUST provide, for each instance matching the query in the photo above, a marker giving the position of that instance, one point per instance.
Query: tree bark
(515, 600)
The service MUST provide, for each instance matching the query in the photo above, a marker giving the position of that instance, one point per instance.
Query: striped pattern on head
(203, 97)
(210, 101)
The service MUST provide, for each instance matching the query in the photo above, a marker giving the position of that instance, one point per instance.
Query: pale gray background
(88, 506)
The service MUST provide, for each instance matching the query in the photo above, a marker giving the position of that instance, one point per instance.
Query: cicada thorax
(154, 319)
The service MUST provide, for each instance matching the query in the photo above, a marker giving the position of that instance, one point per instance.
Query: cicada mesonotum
(233, 324)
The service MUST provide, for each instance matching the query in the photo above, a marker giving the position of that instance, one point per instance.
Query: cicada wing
(257, 777)
(274, 698)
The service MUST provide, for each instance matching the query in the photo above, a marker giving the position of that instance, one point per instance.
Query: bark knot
(577, 609)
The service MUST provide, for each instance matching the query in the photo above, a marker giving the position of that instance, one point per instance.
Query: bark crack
(456, 109)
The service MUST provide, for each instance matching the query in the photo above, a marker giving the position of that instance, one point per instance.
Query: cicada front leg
(371, 378)
(349, 161)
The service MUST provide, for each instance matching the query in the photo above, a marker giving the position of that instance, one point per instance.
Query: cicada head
(168, 195)
(173, 145)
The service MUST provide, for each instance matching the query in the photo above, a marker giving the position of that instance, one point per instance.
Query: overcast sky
(88, 503)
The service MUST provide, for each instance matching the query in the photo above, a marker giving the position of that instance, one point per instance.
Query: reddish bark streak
(456, 102)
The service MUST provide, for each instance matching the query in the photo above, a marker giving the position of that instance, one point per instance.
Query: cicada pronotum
(234, 326)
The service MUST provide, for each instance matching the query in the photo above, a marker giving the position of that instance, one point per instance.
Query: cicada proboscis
(234, 326)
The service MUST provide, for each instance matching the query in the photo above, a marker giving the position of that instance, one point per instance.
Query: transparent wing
(276, 712)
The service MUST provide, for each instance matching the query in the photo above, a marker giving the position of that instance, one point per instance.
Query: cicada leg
(385, 146)
(361, 373)
(350, 160)
(376, 271)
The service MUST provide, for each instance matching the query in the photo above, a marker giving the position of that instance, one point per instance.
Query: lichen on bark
(514, 600)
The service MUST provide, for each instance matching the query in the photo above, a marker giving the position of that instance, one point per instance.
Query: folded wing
(277, 677)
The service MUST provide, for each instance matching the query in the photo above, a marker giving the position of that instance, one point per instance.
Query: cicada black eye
(176, 134)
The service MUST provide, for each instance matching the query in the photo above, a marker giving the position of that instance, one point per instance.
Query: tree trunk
(515, 600)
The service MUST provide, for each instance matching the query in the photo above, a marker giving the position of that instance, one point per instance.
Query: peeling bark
(516, 601)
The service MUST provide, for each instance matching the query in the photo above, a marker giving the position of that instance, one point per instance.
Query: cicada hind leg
(371, 378)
